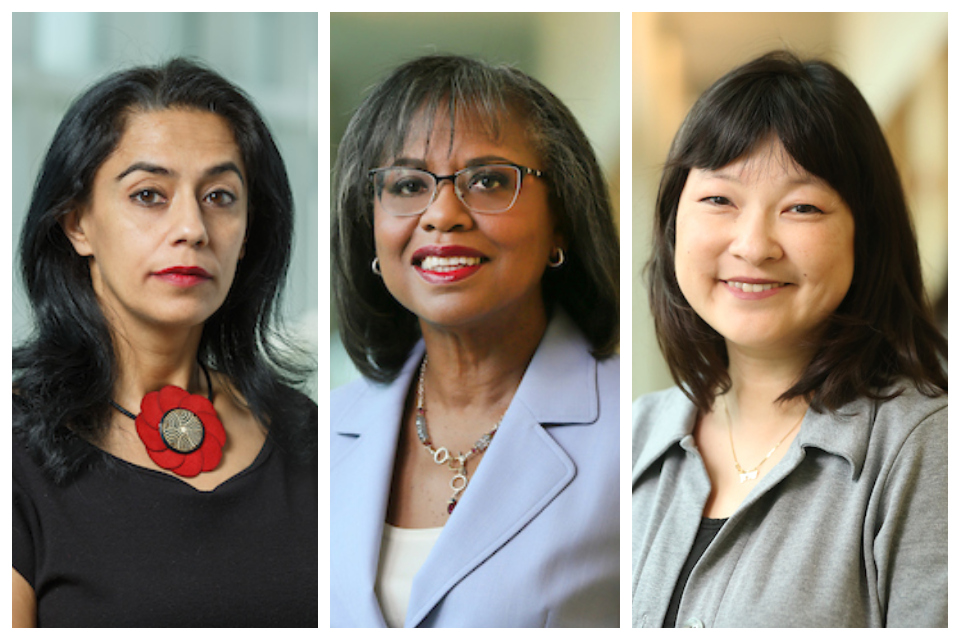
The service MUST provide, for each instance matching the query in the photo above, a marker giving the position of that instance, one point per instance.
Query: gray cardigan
(849, 529)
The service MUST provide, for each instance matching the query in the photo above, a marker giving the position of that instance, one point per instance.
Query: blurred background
(272, 57)
(897, 60)
(576, 55)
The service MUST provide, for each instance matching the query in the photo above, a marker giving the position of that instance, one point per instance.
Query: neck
(757, 381)
(480, 366)
(148, 361)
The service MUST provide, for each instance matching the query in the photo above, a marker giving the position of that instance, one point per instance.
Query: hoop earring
(375, 266)
(559, 260)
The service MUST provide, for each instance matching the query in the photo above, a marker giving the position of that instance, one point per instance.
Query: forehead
(179, 136)
(445, 135)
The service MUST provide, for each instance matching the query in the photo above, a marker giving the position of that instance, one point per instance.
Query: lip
(183, 276)
(746, 288)
(444, 264)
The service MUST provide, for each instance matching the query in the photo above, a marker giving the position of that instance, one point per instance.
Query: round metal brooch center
(181, 430)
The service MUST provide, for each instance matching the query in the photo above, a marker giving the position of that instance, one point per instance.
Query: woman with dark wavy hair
(164, 466)
(474, 467)
(796, 477)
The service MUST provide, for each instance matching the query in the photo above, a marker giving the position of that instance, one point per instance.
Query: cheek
(687, 248)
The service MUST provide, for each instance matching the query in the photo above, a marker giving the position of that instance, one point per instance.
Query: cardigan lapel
(523, 470)
(364, 474)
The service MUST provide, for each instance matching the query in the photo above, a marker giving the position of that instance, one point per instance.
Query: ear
(558, 239)
(72, 225)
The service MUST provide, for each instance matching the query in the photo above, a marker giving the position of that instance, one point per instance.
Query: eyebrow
(155, 169)
(418, 163)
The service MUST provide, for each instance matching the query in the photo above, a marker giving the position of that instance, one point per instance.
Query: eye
(490, 179)
(805, 208)
(720, 201)
(148, 197)
(220, 198)
(407, 185)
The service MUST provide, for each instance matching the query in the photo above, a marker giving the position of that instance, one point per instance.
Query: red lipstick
(443, 264)
(183, 276)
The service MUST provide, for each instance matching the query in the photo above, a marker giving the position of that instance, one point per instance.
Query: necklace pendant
(458, 483)
(451, 505)
(748, 475)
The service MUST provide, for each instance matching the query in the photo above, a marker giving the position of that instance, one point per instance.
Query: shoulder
(910, 422)
(660, 418)
(874, 435)
(912, 407)
(53, 450)
(342, 399)
(669, 407)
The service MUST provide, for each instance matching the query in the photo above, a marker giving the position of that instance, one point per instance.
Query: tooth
(449, 263)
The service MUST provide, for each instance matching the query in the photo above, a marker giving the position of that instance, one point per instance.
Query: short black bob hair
(377, 331)
(64, 374)
(883, 331)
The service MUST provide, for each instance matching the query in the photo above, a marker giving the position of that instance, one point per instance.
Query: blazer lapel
(522, 471)
(363, 475)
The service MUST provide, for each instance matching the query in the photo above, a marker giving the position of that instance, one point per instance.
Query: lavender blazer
(534, 541)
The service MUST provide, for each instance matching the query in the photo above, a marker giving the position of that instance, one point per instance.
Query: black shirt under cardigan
(122, 545)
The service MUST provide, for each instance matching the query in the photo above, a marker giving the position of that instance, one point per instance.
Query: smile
(445, 264)
(748, 287)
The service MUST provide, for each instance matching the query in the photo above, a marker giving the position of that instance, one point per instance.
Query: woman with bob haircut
(164, 467)
(474, 466)
(796, 476)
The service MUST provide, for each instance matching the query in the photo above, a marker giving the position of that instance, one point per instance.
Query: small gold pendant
(748, 475)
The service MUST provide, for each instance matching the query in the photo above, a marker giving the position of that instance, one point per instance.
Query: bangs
(735, 118)
(473, 93)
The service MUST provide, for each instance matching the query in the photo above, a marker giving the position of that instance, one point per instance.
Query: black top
(709, 528)
(122, 545)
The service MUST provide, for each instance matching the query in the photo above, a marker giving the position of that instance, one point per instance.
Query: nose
(446, 212)
(188, 224)
(755, 237)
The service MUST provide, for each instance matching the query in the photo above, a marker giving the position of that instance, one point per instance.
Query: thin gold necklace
(751, 474)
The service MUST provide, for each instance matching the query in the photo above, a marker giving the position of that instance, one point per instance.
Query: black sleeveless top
(122, 545)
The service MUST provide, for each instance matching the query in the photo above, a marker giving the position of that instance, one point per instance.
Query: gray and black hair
(377, 331)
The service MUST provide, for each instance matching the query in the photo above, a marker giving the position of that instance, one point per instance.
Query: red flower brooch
(181, 431)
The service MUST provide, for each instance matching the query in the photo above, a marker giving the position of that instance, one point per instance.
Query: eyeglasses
(489, 188)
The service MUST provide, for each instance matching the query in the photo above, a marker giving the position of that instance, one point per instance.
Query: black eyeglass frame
(524, 171)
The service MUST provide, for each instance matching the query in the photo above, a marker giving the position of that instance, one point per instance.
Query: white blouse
(402, 553)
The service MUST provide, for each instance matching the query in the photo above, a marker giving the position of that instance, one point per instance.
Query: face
(165, 223)
(764, 250)
(451, 266)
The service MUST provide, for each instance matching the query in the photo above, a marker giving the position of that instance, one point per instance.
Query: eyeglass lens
(484, 189)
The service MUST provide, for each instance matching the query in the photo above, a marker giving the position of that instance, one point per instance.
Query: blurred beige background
(576, 55)
(897, 60)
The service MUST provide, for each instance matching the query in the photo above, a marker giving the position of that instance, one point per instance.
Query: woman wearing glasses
(797, 476)
(474, 467)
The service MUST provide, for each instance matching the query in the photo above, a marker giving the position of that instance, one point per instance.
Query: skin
(480, 332)
(760, 218)
(173, 193)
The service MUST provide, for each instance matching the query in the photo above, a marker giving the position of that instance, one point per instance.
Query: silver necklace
(752, 473)
(441, 455)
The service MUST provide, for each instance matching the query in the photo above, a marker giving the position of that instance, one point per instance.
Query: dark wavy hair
(883, 330)
(377, 331)
(65, 372)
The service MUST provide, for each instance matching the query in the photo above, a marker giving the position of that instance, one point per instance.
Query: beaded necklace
(442, 455)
